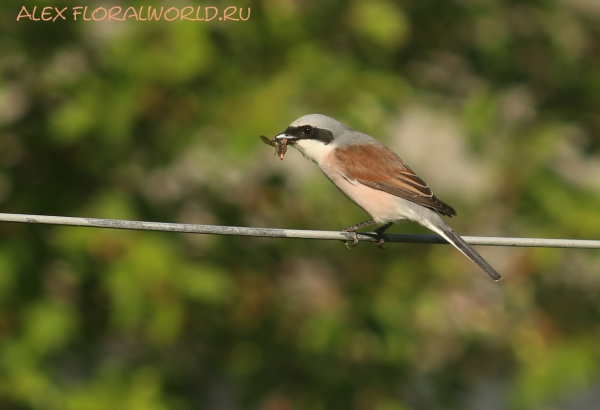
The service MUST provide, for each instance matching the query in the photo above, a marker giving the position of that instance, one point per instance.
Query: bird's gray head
(317, 127)
(316, 136)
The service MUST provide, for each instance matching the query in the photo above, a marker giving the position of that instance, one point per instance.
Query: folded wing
(390, 175)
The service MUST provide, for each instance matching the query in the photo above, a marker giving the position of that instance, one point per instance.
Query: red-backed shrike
(375, 178)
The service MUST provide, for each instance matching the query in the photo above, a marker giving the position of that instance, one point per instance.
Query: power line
(291, 233)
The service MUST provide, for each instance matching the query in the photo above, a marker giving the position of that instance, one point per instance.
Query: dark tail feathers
(465, 248)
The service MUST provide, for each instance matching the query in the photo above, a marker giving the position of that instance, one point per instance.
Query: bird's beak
(288, 137)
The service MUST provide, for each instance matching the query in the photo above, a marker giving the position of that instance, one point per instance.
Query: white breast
(382, 207)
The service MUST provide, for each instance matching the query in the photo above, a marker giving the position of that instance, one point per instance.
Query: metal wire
(291, 233)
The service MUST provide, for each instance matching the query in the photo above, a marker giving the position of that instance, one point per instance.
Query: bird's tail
(459, 243)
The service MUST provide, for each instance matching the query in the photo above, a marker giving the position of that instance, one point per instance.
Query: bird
(375, 178)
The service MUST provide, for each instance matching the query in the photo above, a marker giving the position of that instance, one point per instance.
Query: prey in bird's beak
(280, 143)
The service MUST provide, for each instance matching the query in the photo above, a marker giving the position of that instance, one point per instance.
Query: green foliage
(494, 103)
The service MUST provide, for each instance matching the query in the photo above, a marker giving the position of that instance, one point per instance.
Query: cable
(291, 233)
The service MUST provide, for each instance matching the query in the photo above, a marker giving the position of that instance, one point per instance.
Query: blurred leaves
(495, 104)
(382, 22)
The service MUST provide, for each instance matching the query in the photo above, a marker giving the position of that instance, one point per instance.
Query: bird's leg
(379, 231)
(352, 229)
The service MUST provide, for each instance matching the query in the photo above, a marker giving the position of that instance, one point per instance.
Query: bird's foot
(379, 231)
(354, 239)
(352, 229)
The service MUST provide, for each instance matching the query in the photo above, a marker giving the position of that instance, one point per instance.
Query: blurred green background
(495, 103)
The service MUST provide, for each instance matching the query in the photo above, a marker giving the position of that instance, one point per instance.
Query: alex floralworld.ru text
(142, 13)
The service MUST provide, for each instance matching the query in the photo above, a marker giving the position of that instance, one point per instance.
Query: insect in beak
(280, 145)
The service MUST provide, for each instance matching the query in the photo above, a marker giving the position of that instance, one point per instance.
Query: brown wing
(391, 175)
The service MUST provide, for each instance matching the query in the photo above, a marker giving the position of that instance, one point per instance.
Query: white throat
(316, 151)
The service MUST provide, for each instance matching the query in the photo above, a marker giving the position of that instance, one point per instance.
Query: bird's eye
(307, 130)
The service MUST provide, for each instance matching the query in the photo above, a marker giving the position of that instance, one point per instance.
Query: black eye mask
(305, 132)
